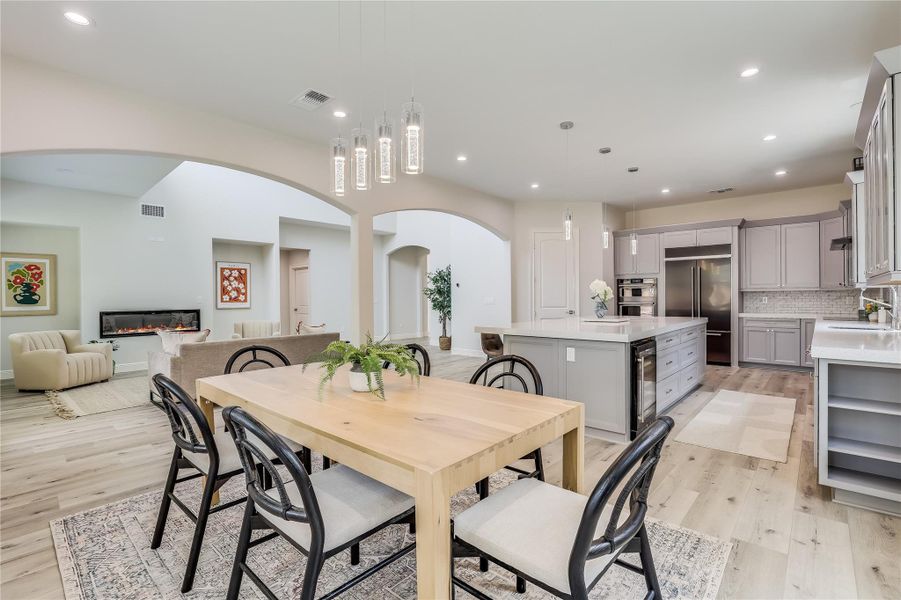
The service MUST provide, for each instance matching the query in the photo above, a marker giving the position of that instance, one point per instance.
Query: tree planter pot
(444, 342)
(357, 379)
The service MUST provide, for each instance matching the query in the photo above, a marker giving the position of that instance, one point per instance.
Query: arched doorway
(408, 309)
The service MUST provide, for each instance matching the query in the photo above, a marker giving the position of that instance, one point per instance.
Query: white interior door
(554, 276)
(300, 296)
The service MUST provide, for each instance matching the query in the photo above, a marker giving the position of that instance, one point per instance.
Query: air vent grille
(721, 190)
(153, 210)
(311, 99)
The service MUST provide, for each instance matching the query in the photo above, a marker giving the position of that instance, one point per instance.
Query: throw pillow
(173, 339)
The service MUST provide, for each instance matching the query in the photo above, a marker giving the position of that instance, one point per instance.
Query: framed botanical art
(29, 284)
(232, 285)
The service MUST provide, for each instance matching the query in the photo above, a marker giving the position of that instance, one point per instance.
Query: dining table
(429, 438)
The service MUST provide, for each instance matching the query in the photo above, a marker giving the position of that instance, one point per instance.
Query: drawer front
(689, 378)
(667, 363)
(691, 334)
(689, 353)
(668, 341)
(668, 391)
(773, 323)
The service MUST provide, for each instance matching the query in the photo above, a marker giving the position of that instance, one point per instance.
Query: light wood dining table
(429, 440)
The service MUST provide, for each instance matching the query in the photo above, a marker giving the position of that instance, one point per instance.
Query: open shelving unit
(859, 433)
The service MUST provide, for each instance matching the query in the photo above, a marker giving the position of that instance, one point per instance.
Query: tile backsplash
(825, 302)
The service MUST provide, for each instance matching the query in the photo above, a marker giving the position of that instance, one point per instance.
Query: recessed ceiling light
(78, 19)
(605, 150)
(632, 169)
(781, 172)
(750, 72)
(64, 170)
(534, 186)
(461, 158)
(664, 191)
(769, 137)
(339, 114)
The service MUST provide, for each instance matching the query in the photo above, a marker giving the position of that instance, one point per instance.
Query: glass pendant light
(338, 166)
(633, 237)
(568, 224)
(633, 244)
(411, 142)
(385, 163)
(360, 167)
(605, 236)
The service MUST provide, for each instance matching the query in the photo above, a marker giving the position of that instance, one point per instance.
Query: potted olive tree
(438, 291)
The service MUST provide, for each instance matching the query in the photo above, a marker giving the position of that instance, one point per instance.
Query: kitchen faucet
(894, 309)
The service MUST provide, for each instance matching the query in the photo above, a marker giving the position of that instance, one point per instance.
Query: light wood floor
(789, 540)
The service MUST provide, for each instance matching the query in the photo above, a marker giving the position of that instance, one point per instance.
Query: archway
(408, 310)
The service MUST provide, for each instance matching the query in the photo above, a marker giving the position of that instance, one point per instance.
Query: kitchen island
(857, 412)
(592, 362)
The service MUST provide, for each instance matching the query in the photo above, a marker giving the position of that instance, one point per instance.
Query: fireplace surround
(131, 323)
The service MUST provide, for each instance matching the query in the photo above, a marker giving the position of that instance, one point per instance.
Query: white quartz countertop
(635, 328)
(863, 343)
(798, 315)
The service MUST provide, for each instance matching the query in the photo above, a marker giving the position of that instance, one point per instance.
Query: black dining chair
(562, 541)
(200, 449)
(508, 378)
(320, 514)
(420, 356)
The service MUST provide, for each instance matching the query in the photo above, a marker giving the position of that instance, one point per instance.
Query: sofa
(256, 329)
(56, 360)
(204, 359)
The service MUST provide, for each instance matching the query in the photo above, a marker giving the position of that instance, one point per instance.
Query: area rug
(104, 553)
(95, 398)
(742, 423)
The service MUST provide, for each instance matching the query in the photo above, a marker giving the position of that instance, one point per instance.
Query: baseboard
(6, 374)
(131, 367)
(467, 352)
(404, 336)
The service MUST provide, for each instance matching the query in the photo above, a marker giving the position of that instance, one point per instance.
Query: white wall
(260, 303)
(480, 266)
(406, 280)
(594, 261)
(64, 243)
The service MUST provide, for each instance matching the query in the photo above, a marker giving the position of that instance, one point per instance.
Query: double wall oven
(636, 297)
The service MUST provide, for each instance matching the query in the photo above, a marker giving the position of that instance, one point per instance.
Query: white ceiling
(658, 82)
(120, 174)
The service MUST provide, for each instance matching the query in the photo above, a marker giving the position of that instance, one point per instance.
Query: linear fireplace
(127, 323)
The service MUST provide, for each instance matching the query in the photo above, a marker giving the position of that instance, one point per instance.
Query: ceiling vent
(153, 210)
(721, 190)
(311, 99)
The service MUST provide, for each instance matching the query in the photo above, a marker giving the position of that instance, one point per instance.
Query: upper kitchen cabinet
(878, 128)
(832, 262)
(646, 260)
(783, 256)
(696, 237)
(856, 228)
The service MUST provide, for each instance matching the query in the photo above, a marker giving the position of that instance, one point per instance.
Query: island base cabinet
(591, 370)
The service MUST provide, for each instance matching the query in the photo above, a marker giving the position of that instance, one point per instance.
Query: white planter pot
(357, 381)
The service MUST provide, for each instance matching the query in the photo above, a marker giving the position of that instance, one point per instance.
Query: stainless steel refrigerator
(699, 284)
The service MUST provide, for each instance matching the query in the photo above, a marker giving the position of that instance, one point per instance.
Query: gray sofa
(204, 359)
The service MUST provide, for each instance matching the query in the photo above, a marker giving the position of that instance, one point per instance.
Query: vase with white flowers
(601, 294)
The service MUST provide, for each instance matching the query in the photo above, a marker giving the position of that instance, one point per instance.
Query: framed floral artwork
(232, 285)
(29, 284)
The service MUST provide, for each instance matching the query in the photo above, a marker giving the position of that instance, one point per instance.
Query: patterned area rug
(743, 423)
(104, 553)
(107, 396)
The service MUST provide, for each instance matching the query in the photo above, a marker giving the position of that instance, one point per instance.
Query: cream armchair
(256, 329)
(56, 360)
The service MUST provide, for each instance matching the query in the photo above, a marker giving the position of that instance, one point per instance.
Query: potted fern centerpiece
(366, 359)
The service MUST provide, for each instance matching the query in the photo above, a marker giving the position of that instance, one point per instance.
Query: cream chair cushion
(256, 329)
(229, 460)
(531, 526)
(351, 504)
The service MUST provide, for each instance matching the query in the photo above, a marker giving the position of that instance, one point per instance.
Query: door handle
(692, 291)
(713, 334)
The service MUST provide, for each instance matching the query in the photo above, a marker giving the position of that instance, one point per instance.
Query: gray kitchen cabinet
(832, 262)
(714, 236)
(646, 261)
(800, 251)
(807, 327)
(544, 354)
(679, 239)
(786, 347)
(623, 261)
(755, 344)
(762, 258)
(591, 363)
(879, 175)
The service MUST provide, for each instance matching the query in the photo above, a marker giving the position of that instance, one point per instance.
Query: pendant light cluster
(378, 163)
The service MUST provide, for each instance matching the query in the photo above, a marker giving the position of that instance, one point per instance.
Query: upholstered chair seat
(56, 360)
(531, 526)
(229, 461)
(351, 504)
